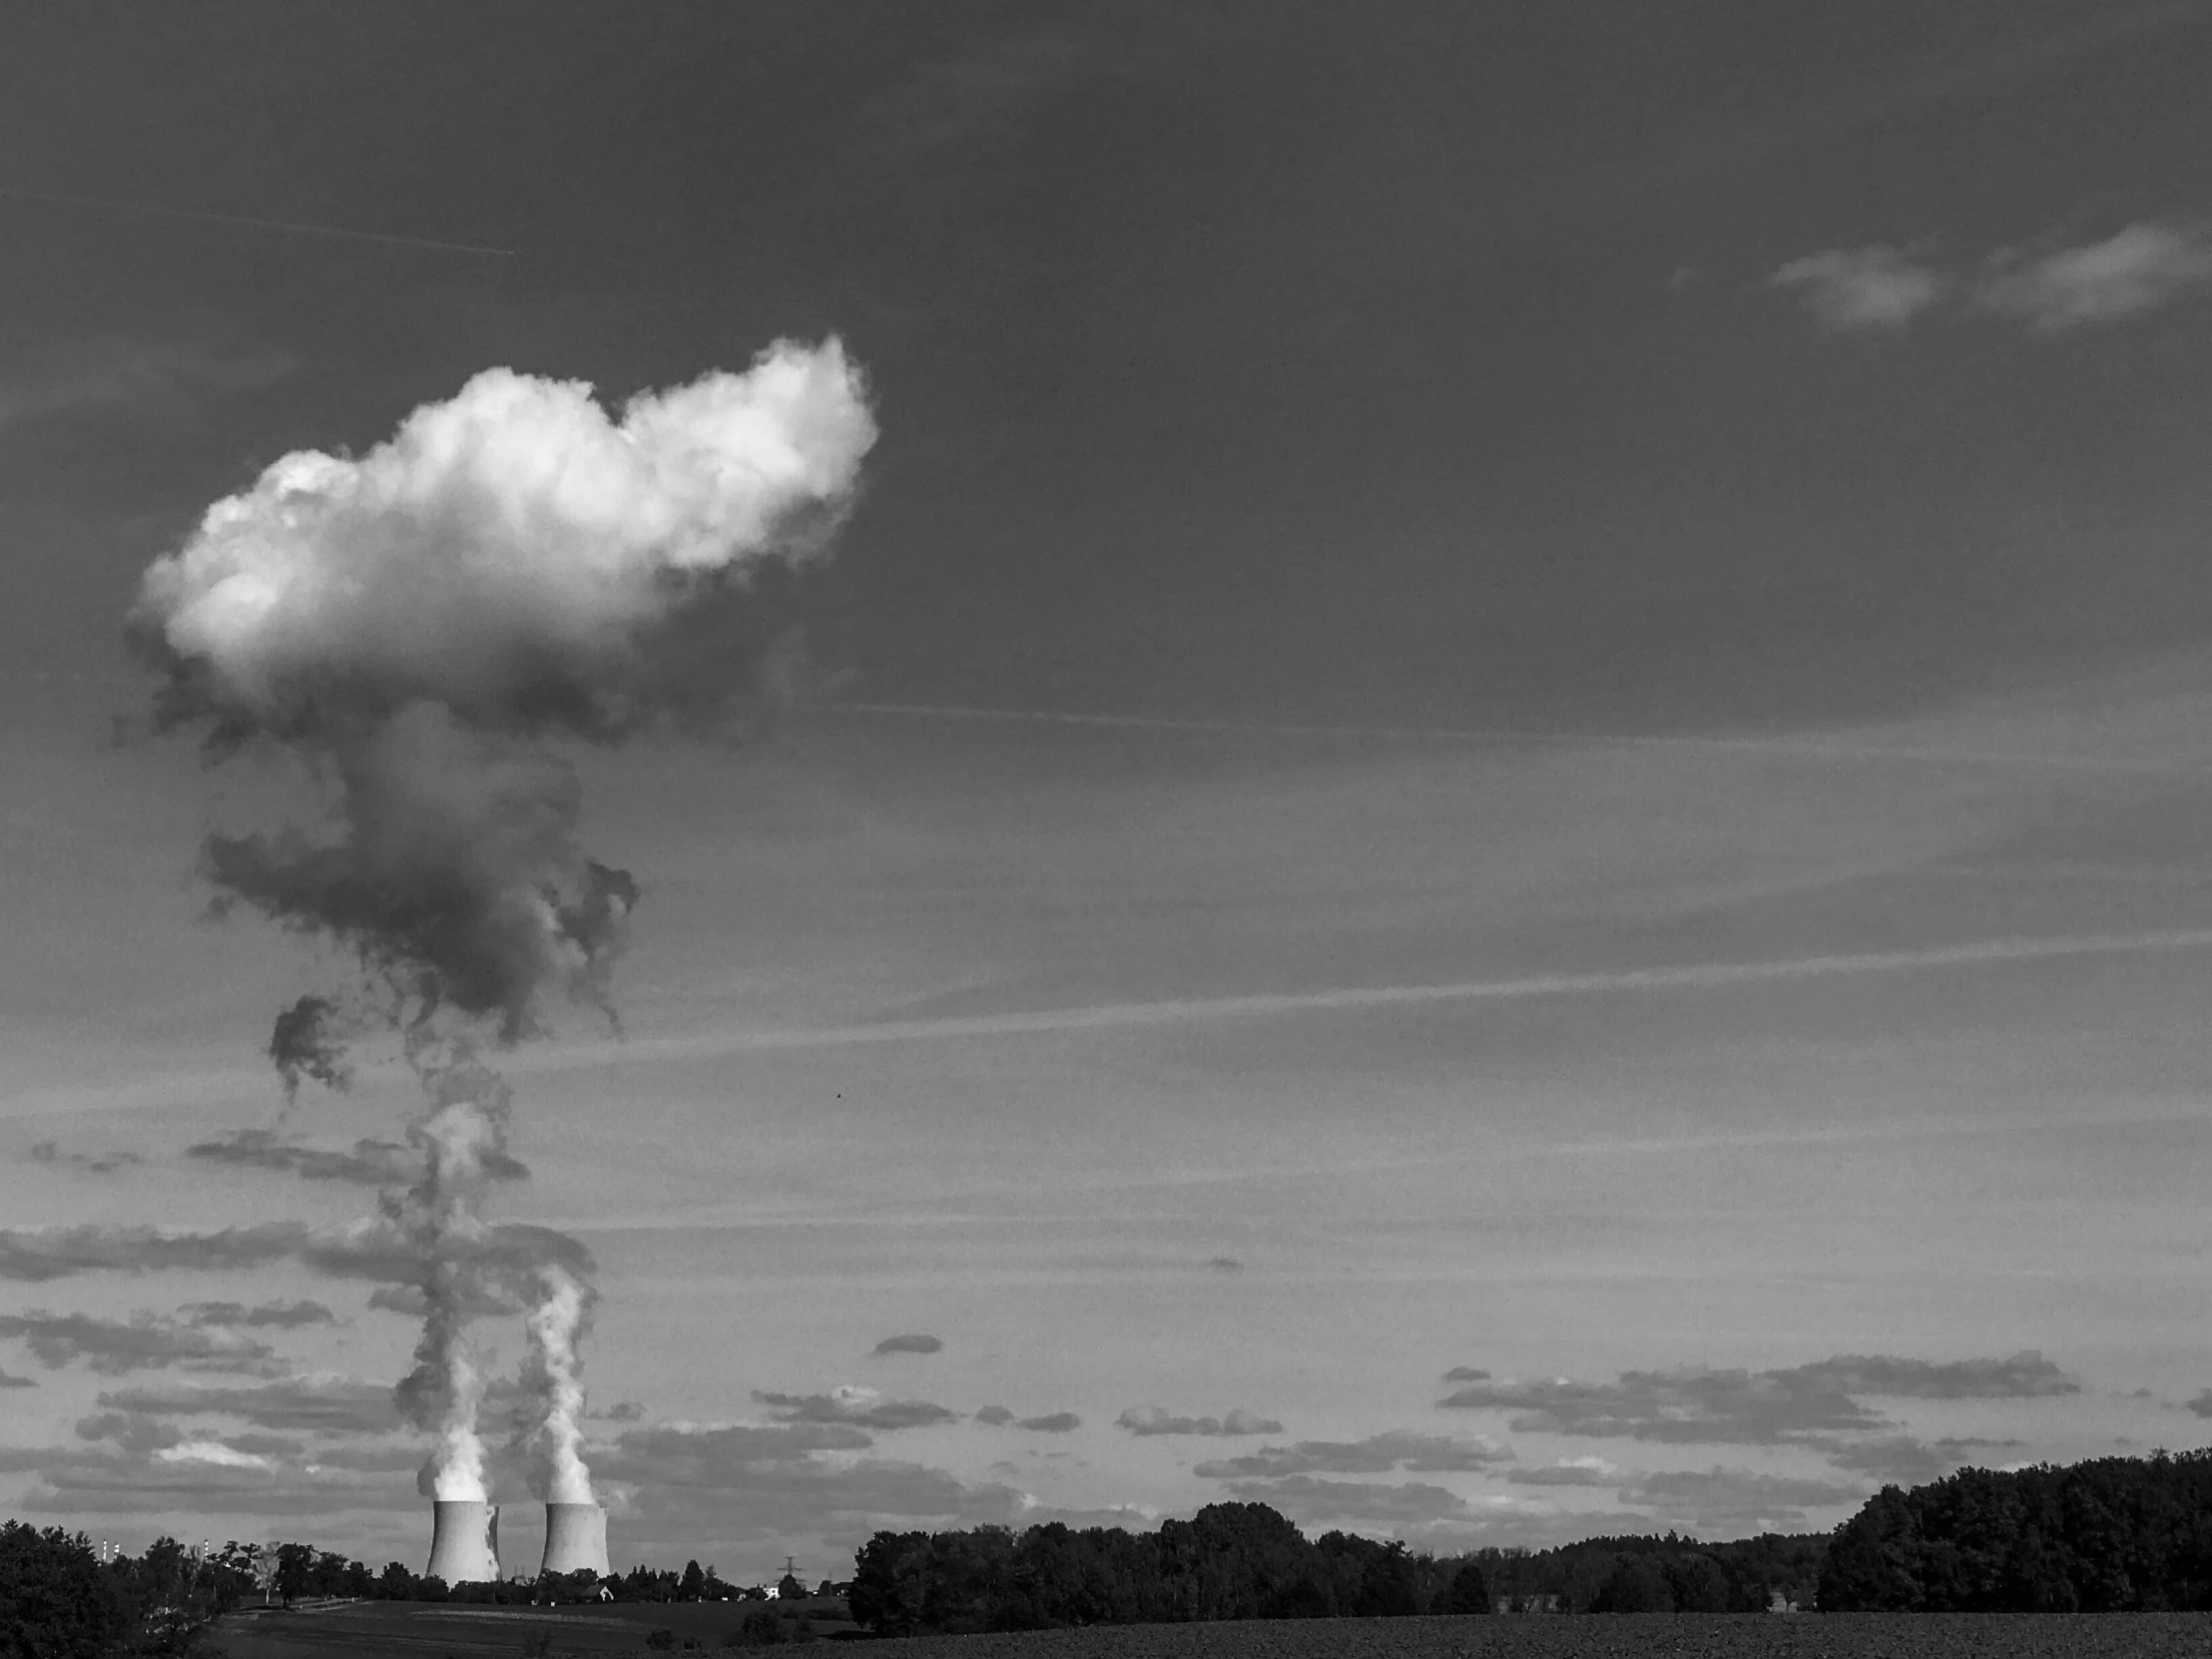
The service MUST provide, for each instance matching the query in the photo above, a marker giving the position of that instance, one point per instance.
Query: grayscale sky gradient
(1675, 538)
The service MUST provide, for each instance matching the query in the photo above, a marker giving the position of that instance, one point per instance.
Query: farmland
(402, 1628)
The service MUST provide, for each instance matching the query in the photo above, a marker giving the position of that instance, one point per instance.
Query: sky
(1493, 829)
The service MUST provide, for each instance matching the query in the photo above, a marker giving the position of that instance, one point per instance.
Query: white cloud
(1863, 287)
(2132, 271)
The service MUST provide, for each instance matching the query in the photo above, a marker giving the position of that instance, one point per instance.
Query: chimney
(464, 1543)
(575, 1537)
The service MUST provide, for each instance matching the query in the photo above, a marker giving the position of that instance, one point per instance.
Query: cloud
(1306, 1499)
(1052, 1422)
(1154, 1419)
(502, 1263)
(1568, 1471)
(621, 1411)
(144, 1342)
(1680, 1405)
(111, 374)
(2201, 1405)
(2129, 274)
(203, 1477)
(57, 1252)
(707, 1488)
(1703, 1406)
(1733, 1500)
(1466, 1373)
(7, 1380)
(371, 1162)
(862, 1408)
(280, 1316)
(2023, 1375)
(101, 1163)
(910, 1343)
(1862, 287)
(1377, 1454)
(1901, 1458)
(997, 1416)
(1126, 1016)
(313, 1403)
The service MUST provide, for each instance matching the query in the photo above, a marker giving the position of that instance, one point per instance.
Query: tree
(294, 1576)
(55, 1602)
(694, 1583)
(1468, 1591)
(1637, 1584)
(395, 1582)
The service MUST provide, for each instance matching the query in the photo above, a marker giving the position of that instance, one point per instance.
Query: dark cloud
(860, 1407)
(1682, 1406)
(279, 1316)
(317, 1404)
(204, 1477)
(995, 1415)
(370, 1163)
(96, 1163)
(1466, 1373)
(2022, 1376)
(1901, 1458)
(1702, 1406)
(1052, 1422)
(2201, 1405)
(115, 1347)
(1154, 1419)
(1308, 1500)
(1377, 1454)
(1225, 1263)
(1729, 1500)
(707, 1489)
(57, 1252)
(913, 1343)
(8, 1381)
(1573, 1471)
(621, 1411)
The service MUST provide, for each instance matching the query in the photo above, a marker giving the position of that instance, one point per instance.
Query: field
(351, 1630)
(474, 1632)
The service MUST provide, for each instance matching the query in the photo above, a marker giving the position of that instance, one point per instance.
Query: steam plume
(553, 1375)
(417, 626)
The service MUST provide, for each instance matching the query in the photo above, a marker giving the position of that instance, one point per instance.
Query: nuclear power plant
(575, 1538)
(464, 1541)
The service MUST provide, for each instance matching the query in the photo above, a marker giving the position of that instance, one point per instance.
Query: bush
(660, 1641)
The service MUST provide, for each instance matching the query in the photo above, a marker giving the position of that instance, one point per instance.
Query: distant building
(1544, 1603)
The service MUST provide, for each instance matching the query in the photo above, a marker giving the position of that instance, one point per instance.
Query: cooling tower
(464, 1543)
(575, 1537)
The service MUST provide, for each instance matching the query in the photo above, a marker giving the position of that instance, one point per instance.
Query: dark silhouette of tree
(1637, 1584)
(2114, 1534)
(1468, 1591)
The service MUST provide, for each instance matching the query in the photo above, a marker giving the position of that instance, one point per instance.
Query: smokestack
(575, 1537)
(464, 1541)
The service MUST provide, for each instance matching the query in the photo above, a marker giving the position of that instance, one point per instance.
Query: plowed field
(477, 1633)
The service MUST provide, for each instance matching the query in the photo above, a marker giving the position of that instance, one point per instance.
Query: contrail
(295, 226)
(1118, 1016)
(1813, 746)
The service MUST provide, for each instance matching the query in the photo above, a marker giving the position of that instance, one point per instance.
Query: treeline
(59, 1600)
(2116, 1534)
(1246, 1561)
(1776, 1572)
